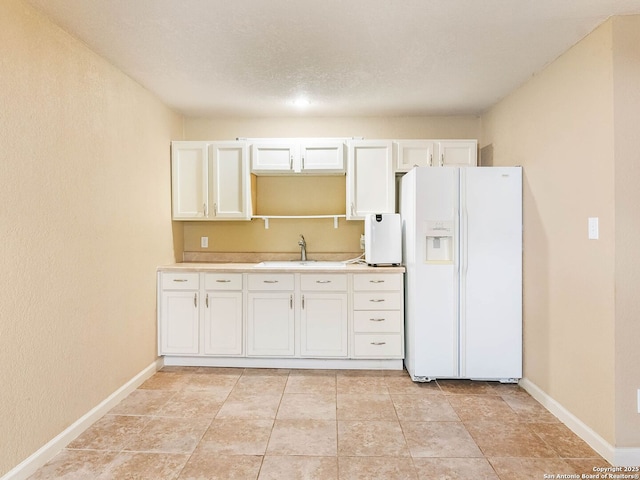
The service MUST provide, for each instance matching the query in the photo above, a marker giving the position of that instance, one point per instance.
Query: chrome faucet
(303, 249)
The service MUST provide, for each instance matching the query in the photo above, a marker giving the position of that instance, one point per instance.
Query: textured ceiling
(348, 57)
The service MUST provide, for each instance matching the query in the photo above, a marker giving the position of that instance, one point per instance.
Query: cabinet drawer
(273, 281)
(377, 345)
(377, 300)
(377, 281)
(180, 281)
(373, 321)
(223, 281)
(324, 282)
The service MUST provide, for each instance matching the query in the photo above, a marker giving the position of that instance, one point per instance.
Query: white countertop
(252, 268)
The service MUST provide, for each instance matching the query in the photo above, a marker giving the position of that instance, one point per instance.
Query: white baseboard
(619, 457)
(29, 466)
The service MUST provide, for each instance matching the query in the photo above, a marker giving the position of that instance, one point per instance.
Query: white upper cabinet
(413, 153)
(189, 180)
(210, 181)
(434, 153)
(294, 156)
(370, 178)
(230, 181)
(458, 153)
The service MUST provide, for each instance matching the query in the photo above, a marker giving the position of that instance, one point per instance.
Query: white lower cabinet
(378, 327)
(179, 317)
(281, 315)
(271, 315)
(324, 316)
(223, 314)
(200, 314)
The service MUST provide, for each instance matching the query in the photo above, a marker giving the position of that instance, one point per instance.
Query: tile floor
(231, 424)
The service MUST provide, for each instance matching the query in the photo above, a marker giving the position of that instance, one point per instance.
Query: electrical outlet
(593, 228)
(204, 242)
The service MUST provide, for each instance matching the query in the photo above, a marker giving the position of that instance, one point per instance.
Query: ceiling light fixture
(301, 102)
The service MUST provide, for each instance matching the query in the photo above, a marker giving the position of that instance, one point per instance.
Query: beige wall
(85, 221)
(315, 195)
(574, 129)
(626, 69)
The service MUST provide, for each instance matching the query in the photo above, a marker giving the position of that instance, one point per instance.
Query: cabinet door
(270, 324)
(189, 180)
(458, 153)
(229, 178)
(179, 322)
(413, 153)
(223, 323)
(273, 157)
(370, 179)
(323, 326)
(322, 157)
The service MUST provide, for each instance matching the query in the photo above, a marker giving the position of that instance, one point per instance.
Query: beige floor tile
(164, 381)
(424, 408)
(188, 404)
(466, 387)
(312, 406)
(359, 406)
(206, 382)
(482, 407)
(236, 437)
(563, 440)
(226, 371)
(402, 384)
(260, 385)
(299, 468)
(111, 432)
(586, 465)
(250, 406)
(497, 439)
(169, 435)
(376, 468)
(145, 466)
(303, 437)
(218, 467)
(309, 382)
(267, 372)
(455, 469)
(528, 410)
(143, 402)
(75, 465)
(371, 439)
(529, 468)
(361, 382)
(439, 439)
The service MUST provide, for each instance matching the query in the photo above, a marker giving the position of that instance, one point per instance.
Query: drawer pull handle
(323, 281)
(223, 281)
(376, 319)
(377, 300)
(376, 281)
(206, 300)
(195, 300)
(180, 280)
(270, 281)
(291, 301)
(378, 343)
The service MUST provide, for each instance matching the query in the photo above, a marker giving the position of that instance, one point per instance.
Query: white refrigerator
(462, 249)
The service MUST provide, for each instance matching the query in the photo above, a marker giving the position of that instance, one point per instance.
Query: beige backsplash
(255, 257)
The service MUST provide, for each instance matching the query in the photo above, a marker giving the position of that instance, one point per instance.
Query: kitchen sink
(300, 263)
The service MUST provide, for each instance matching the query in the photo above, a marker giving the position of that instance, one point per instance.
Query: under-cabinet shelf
(266, 218)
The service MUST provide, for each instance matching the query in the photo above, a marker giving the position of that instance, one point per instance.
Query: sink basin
(300, 263)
